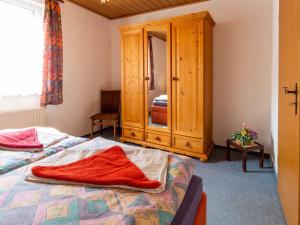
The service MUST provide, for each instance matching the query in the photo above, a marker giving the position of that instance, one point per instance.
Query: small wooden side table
(245, 150)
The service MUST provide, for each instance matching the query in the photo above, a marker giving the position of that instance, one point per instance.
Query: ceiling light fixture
(104, 1)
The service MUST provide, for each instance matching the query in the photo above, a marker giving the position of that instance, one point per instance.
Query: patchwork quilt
(23, 202)
(10, 160)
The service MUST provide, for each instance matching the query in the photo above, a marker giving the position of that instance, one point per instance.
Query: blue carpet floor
(235, 197)
(238, 198)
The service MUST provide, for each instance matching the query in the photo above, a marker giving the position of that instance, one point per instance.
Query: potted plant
(245, 136)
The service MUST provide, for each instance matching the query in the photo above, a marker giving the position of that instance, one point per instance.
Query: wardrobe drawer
(160, 139)
(133, 133)
(188, 144)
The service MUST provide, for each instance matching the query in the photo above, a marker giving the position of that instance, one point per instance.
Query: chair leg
(92, 129)
(115, 133)
(101, 127)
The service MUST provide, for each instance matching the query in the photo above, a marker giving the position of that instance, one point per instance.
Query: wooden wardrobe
(179, 59)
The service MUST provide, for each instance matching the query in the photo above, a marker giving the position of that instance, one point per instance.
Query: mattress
(33, 203)
(187, 211)
(11, 160)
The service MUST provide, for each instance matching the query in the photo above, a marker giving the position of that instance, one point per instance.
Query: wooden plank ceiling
(114, 9)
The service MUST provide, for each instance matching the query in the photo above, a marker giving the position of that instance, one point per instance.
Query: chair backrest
(110, 101)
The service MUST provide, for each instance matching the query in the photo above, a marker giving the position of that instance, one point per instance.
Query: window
(21, 47)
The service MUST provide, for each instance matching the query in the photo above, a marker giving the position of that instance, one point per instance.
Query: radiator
(23, 118)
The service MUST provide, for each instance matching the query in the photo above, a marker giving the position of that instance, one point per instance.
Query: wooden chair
(110, 112)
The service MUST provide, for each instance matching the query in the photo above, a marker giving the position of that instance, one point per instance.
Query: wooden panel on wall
(188, 84)
(132, 78)
(121, 8)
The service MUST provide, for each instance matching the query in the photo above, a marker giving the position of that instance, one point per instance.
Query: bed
(11, 160)
(23, 202)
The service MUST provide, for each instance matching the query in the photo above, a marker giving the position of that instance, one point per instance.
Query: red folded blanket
(23, 139)
(111, 167)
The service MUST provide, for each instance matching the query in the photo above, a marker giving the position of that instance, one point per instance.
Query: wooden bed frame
(201, 211)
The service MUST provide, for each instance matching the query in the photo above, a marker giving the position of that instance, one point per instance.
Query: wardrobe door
(187, 78)
(157, 55)
(132, 78)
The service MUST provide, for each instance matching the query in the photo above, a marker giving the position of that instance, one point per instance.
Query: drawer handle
(188, 144)
(132, 134)
(158, 139)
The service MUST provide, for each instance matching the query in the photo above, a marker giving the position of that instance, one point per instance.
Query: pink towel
(23, 140)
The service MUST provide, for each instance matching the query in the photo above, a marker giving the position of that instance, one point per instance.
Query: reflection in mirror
(157, 85)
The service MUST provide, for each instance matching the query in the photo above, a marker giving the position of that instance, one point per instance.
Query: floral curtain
(151, 63)
(53, 55)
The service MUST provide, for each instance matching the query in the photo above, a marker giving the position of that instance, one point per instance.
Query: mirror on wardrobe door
(157, 62)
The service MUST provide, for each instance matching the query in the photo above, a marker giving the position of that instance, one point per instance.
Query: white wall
(245, 66)
(274, 100)
(242, 62)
